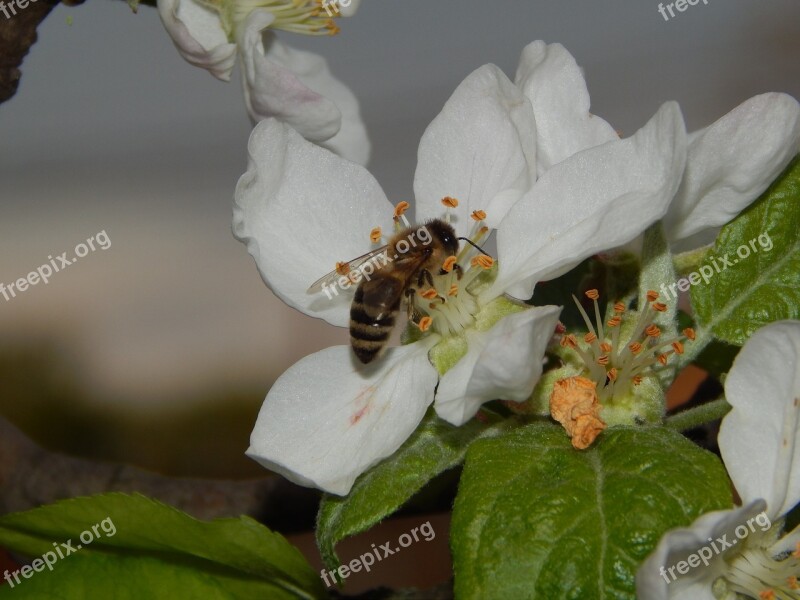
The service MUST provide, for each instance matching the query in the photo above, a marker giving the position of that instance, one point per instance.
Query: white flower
(730, 163)
(291, 85)
(760, 444)
(300, 209)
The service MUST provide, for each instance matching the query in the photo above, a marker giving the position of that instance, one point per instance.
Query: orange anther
(605, 347)
(612, 374)
(401, 208)
(453, 290)
(428, 294)
(689, 333)
(375, 235)
(603, 360)
(635, 347)
(619, 307)
(592, 294)
(478, 215)
(342, 268)
(483, 261)
(678, 347)
(653, 331)
(652, 296)
(449, 202)
(448, 264)
(659, 306)
(589, 337)
(614, 321)
(425, 323)
(662, 358)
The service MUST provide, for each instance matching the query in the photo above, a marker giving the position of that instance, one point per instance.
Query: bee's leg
(425, 277)
(412, 313)
(459, 271)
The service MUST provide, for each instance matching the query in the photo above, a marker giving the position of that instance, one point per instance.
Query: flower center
(308, 17)
(756, 574)
(614, 365)
(447, 301)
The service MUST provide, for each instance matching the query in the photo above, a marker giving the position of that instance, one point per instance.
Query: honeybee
(387, 276)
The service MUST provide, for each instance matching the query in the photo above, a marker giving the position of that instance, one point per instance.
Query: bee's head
(445, 234)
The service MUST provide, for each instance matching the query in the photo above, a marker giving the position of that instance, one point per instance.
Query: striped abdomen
(372, 315)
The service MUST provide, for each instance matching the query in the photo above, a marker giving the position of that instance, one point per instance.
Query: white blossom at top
(291, 85)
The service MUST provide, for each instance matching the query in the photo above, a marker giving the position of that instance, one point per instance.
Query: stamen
(342, 268)
(448, 264)
(429, 294)
(602, 360)
(652, 296)
(606, 347)
(400, 209)
(653, 331)
(569, 340)
(614, 321)
(592, 294)
(767, 595)
(619, 308)
(612, 374)
(589, 337)
(453, 290)
(478, 215)
(659, 306)
(635, 347)
(678, 347)
(375, 235)
(483, 261)
(425, 323)
(662, 358)
(450, 202)
(689, 333)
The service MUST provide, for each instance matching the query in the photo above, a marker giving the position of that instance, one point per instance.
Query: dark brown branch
(17, 35)
(31, 476)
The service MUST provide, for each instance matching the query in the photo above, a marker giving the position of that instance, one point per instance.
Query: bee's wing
(354, 265)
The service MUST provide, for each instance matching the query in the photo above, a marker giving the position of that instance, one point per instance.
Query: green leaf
(150, 548)
(761, 283)
(535, 518)
(433, 448)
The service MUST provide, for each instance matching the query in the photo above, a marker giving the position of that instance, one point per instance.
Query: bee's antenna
(471, 243)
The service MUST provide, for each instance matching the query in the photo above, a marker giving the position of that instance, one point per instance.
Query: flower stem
(694, 417)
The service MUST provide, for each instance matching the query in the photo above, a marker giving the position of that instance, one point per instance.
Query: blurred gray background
(111, 130)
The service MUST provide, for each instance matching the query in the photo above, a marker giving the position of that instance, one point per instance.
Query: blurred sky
(111, 130)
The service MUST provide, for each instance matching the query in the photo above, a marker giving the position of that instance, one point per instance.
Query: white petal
(197, 33)
(553, 82)
(760, 438)
(733, 161)
(678, 544)
(504, 362)
(300, 209)
(326, 421)
(595, 200)
(480, 145)
(288, 84)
